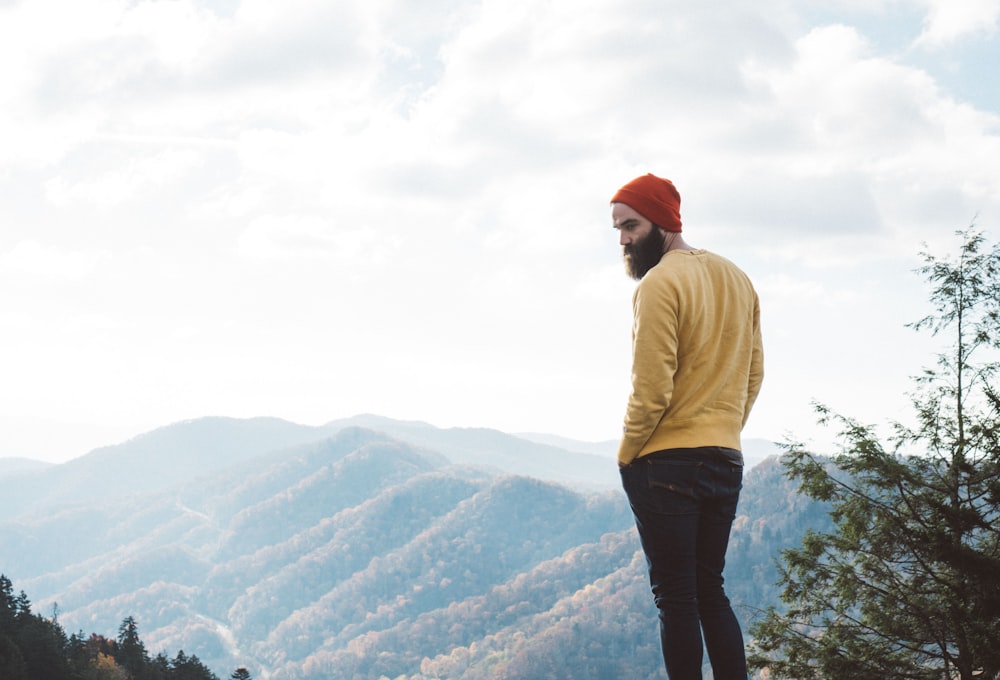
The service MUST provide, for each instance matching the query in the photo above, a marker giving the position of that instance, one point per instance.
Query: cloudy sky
(311, 209)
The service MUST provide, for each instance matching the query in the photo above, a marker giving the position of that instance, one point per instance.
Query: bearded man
(697, 367)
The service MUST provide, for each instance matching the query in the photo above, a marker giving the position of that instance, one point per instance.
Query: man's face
(641, 242)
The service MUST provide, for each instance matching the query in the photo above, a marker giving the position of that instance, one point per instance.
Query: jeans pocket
(733, 478)
(674, 475)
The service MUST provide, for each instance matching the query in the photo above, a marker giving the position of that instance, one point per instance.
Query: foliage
(33, 647)
(907, 584)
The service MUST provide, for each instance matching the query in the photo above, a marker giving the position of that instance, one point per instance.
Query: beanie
(654, 198)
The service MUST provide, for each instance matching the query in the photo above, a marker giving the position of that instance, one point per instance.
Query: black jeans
(684, 502)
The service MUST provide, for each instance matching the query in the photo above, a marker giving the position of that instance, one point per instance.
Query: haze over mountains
(363, 548)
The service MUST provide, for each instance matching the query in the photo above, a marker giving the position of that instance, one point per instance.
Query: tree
(131, 652)
(907, 583)
(185, 667)
(240, 673)
(40, 641)
(11, 662)
(103, 667)
(8, 610)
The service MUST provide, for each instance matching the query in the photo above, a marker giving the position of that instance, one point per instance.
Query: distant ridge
(13, 465)
(152, 461)
(166, 456)
(499, 450)
(606, 448)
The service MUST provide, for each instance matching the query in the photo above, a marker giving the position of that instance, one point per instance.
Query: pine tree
(185, 667)
(11, 661)
(907, 584)
(131, 652)
(8, 610)
(41, 642)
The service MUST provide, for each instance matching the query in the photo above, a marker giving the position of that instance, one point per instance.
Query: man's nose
(624, 238)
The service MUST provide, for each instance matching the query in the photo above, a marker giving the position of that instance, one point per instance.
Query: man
(697, 366)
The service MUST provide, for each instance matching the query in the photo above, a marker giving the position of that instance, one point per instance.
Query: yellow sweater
(697, 355)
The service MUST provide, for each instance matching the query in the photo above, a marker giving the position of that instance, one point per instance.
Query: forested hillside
(359, 555)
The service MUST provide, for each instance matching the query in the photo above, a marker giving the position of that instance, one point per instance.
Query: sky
(319, 208)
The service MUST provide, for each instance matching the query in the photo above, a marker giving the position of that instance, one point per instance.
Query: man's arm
(654, 363)
(756, 376)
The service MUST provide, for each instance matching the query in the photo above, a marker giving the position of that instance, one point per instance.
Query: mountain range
(365, 548)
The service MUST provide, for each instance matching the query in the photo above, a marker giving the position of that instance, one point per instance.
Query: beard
(645, 254)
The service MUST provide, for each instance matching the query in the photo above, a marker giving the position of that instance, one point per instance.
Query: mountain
(756, 451)
(150, 462)
(16, 466)
(157, 460)
(495, 449)
(395, 550)
(607, 448)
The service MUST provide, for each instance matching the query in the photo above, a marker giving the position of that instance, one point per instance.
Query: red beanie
(654, 198)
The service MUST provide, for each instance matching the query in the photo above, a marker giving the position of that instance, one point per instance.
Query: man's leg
(666, 516)
(721, 482)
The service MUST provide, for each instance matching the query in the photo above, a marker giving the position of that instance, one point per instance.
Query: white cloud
(845, 139)
(33, 259)
(122, 184)
(949, 20)
(308, 237)
(405, 204)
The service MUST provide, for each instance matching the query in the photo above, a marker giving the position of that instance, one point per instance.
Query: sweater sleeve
(654, 364)
(756, 376)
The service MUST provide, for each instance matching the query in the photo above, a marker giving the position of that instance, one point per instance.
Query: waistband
(719, 453)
